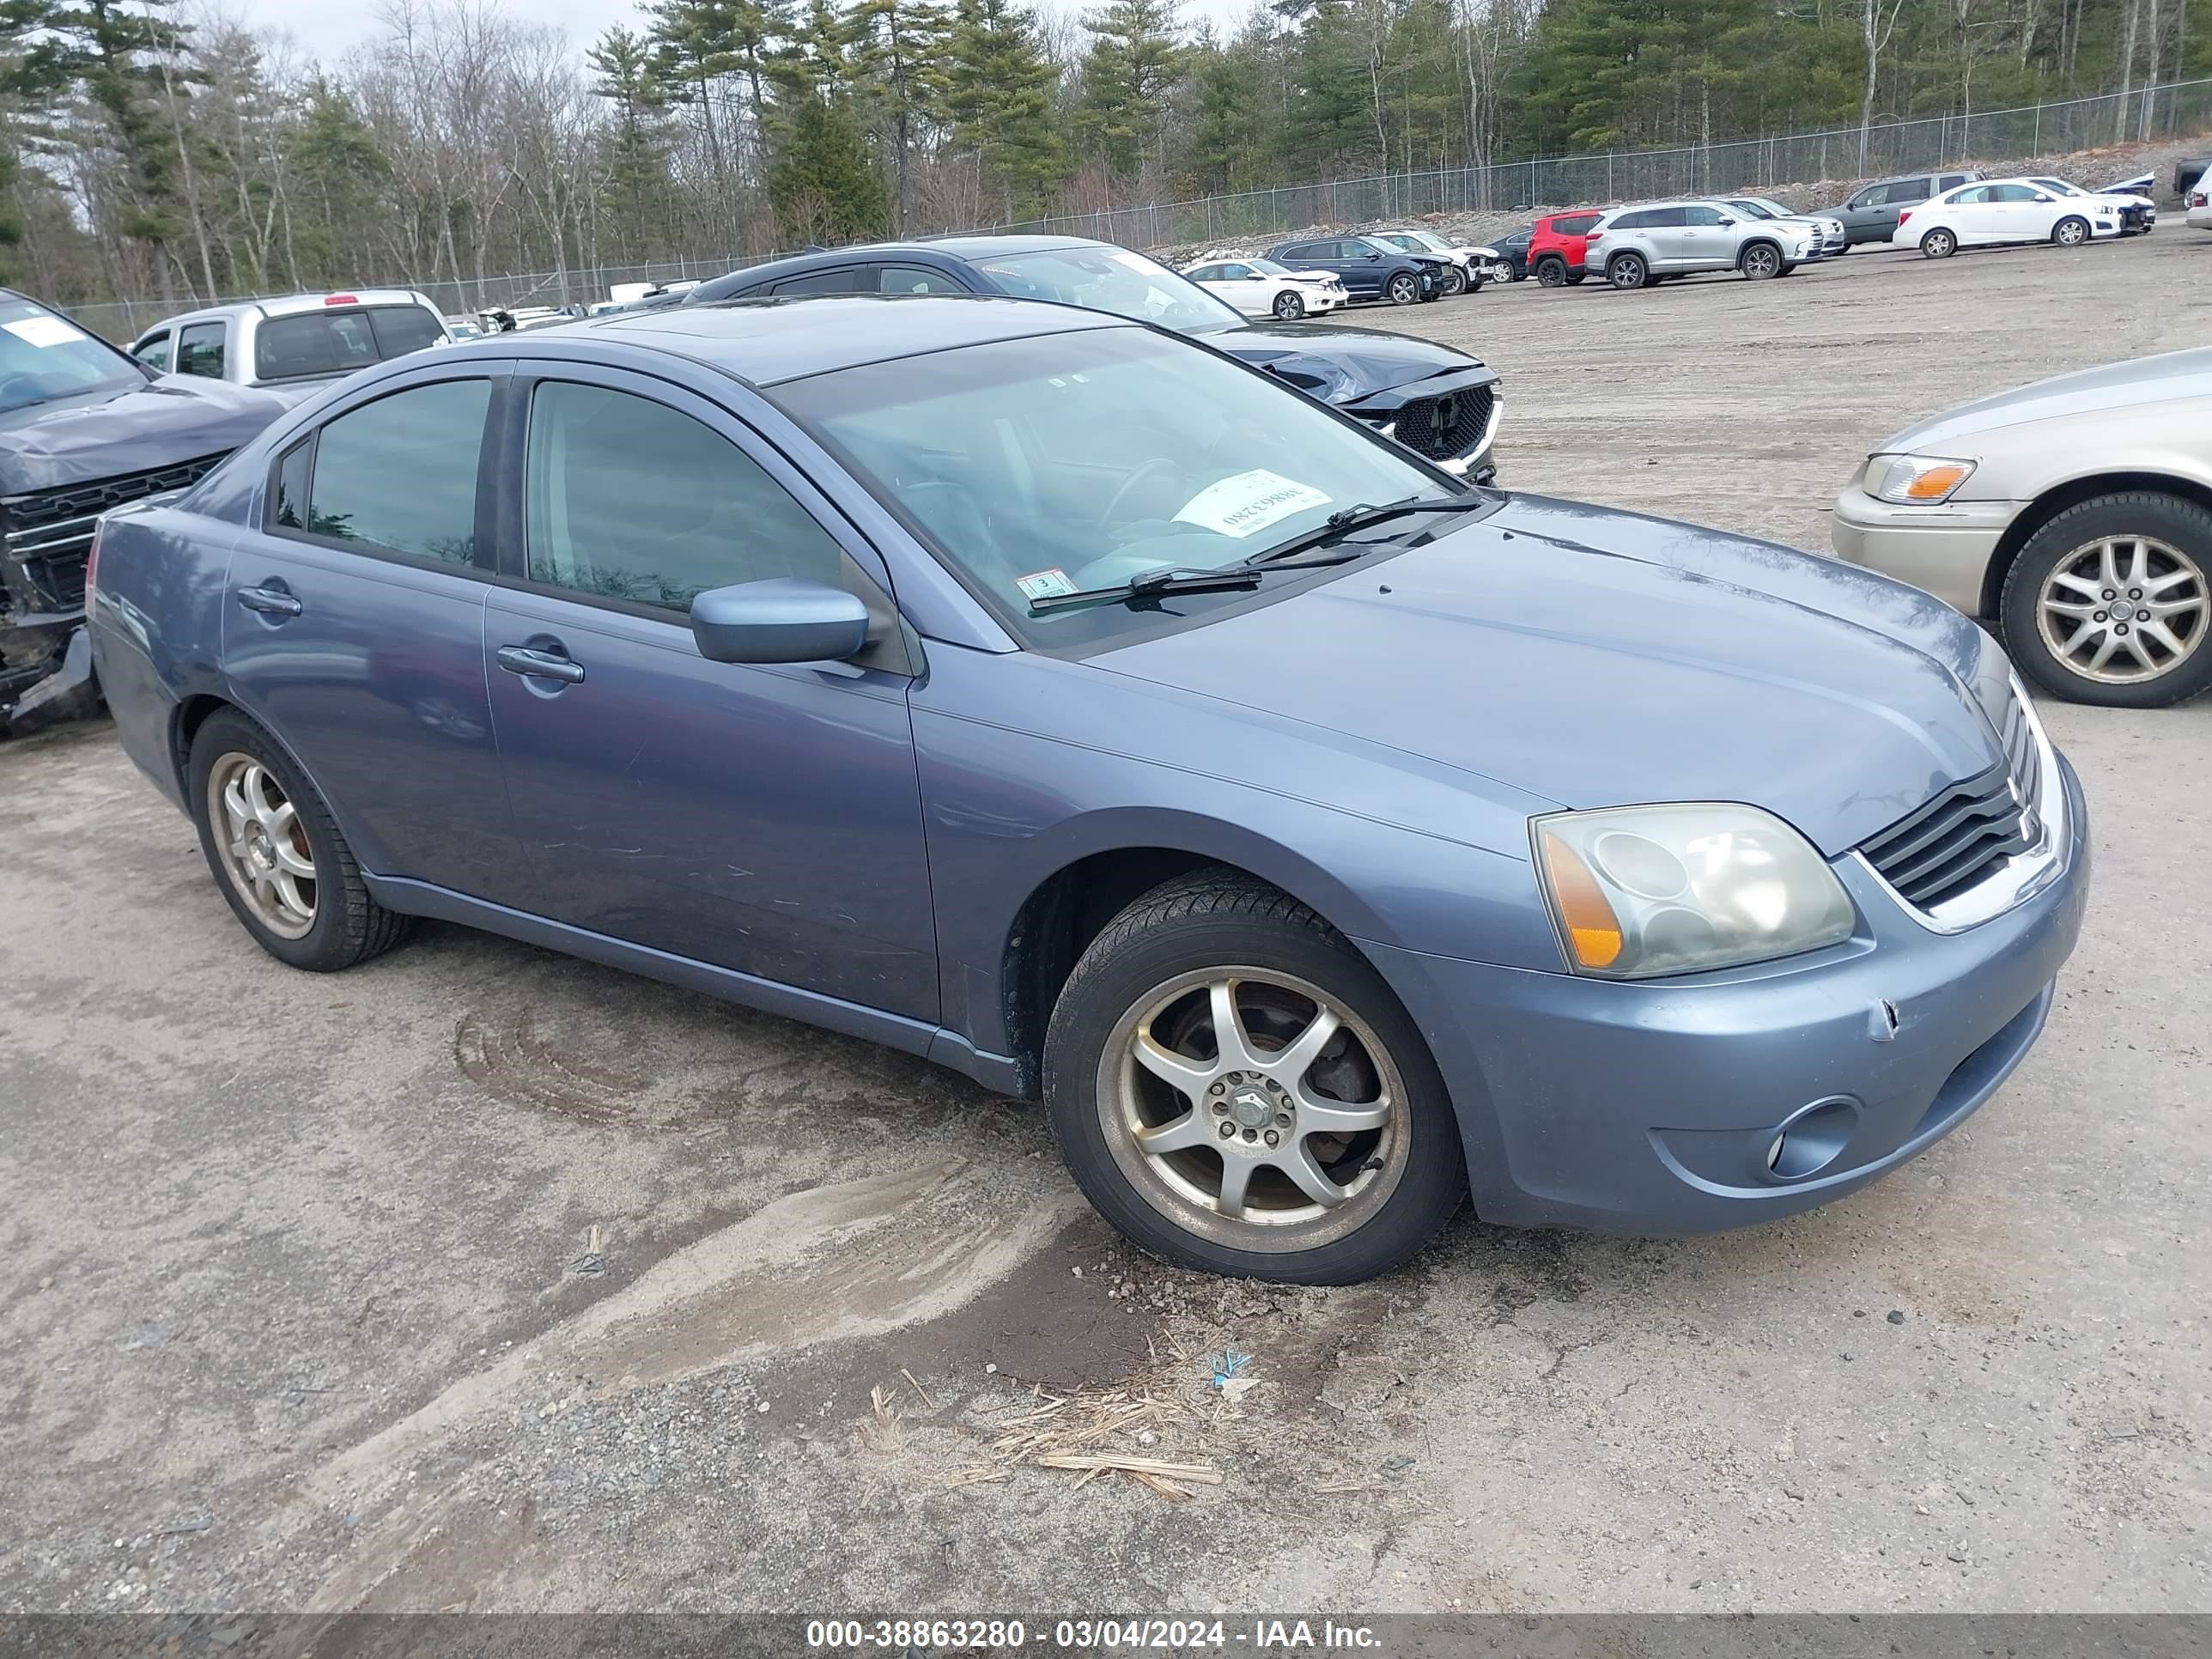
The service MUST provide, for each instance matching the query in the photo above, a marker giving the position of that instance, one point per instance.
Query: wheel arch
(2072, 493)
(1067, 908)
(1769, 242)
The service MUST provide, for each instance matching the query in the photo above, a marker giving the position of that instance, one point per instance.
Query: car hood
(2168, 377)
(1598, 658)
(175, 418)
(1336, 364)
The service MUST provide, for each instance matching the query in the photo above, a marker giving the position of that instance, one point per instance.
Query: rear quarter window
(1575, 224)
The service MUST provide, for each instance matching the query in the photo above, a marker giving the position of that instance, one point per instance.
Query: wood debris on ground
(1094, 1432)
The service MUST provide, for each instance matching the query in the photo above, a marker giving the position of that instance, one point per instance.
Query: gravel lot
(480, 1277)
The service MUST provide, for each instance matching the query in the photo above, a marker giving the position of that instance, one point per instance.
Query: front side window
(398, 474)
(915, 279)
(154, 353)
(1079, 460)
(628, 498)
(199, 349)
(1111, 279)
(1704, 215)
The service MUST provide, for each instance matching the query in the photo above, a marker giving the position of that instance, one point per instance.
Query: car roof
(768, 341)
(942, 247)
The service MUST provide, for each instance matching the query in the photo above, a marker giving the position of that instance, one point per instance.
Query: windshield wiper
(1345, 520)
(1154, 583)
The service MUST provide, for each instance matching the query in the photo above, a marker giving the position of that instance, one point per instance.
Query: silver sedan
(2074, 515)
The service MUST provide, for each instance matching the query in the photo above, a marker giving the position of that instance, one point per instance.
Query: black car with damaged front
(1436, 400)
(84, 427)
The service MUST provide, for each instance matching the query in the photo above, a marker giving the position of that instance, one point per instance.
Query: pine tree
(899, 64)
(823, 182)
(999, 95)
(1134, 59)
(637, 154)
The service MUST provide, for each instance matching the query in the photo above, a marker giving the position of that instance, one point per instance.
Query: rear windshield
(44, 357)
(322, 343)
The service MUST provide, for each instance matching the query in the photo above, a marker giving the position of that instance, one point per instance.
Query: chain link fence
(2161, 111)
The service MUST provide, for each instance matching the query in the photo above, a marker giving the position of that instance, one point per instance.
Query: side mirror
(2040, 197)
(1373, 256)
(782, 620)
(1726, 221)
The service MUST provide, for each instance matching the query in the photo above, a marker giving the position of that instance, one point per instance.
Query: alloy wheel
(1626, 272)
(2122, 609)
(263, 844)
(1289, 307)
(1404, 290)
(2072, 233)
(1760, 262)
(1250, 1107)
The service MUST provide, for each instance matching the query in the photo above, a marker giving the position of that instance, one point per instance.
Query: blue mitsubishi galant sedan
(1322, 837)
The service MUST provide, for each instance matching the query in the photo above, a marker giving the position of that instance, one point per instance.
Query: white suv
(1637, 246)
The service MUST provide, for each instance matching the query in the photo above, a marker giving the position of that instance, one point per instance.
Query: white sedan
(1997, 210)
(2134, 208)
(1261, 288)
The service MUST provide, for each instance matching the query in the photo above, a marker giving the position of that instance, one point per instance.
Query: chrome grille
(1971, 828)
(1443, 426)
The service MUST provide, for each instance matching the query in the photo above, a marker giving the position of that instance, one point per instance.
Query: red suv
(1556, 246)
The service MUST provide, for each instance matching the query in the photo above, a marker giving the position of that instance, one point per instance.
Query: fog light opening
(1809, 1142)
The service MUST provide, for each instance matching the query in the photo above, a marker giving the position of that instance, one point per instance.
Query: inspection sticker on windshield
(1249, 502)
(1044, 584)
(44, 332)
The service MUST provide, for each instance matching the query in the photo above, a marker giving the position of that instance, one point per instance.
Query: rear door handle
(270, 601)
(539, 664)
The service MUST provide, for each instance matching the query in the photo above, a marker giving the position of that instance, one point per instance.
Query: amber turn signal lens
(1936, 483)
(1593, 930)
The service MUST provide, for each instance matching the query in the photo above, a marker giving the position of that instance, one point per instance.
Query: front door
(353, 629)
(762, 818)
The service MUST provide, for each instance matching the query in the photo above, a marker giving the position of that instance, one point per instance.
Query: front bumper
(1944, 550)
(1653, 1107)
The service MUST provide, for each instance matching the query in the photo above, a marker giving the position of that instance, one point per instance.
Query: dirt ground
(478, 1278)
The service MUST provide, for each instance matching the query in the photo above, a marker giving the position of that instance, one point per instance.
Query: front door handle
(539, 664)
(270, 601)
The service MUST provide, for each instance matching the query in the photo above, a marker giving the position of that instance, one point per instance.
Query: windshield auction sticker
(1249, 502)
(43, 331)
(1045, 583)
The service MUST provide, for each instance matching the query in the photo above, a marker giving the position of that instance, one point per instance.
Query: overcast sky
(326, 28)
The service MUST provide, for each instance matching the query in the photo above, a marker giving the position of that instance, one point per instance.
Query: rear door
(354, 628)
(765, 818)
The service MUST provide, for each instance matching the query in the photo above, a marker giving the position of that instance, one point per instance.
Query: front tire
(1236, 1088)
(1404, 288)
(1938, 244)
(276, 854)
(2111, 602)
(1758, 261)
(1452, 283)
(1627, 270)
(2071, 231)
(1289, 307)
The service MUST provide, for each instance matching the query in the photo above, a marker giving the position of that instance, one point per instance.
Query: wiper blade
(1345, 520)
(1154, 583)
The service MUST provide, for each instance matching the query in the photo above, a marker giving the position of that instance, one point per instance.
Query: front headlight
(1643, 891)
(1915, 480)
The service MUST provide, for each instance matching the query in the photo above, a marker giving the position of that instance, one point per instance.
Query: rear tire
(2071, 231)
(1551, 273)
(1155, 981)
(2060, 574)
(1938, 244)
(1627, 270)
(260, 822)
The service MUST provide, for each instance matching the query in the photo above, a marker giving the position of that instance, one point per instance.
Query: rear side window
(842, 280)
(1635, 220)
(200, 350)
(349, 485)
(1953, 180)
(1575, 224)
(402, 329)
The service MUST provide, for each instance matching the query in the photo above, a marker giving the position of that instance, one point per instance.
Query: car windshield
(44, 358)
(2059, 185)
(1111, 279)
(1080, 460)
(1754, 208)
(1269, 268)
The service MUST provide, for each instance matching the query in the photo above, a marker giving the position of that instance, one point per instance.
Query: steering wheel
(1157, 465)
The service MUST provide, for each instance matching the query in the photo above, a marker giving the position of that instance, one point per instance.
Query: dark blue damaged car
(1322, 838)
